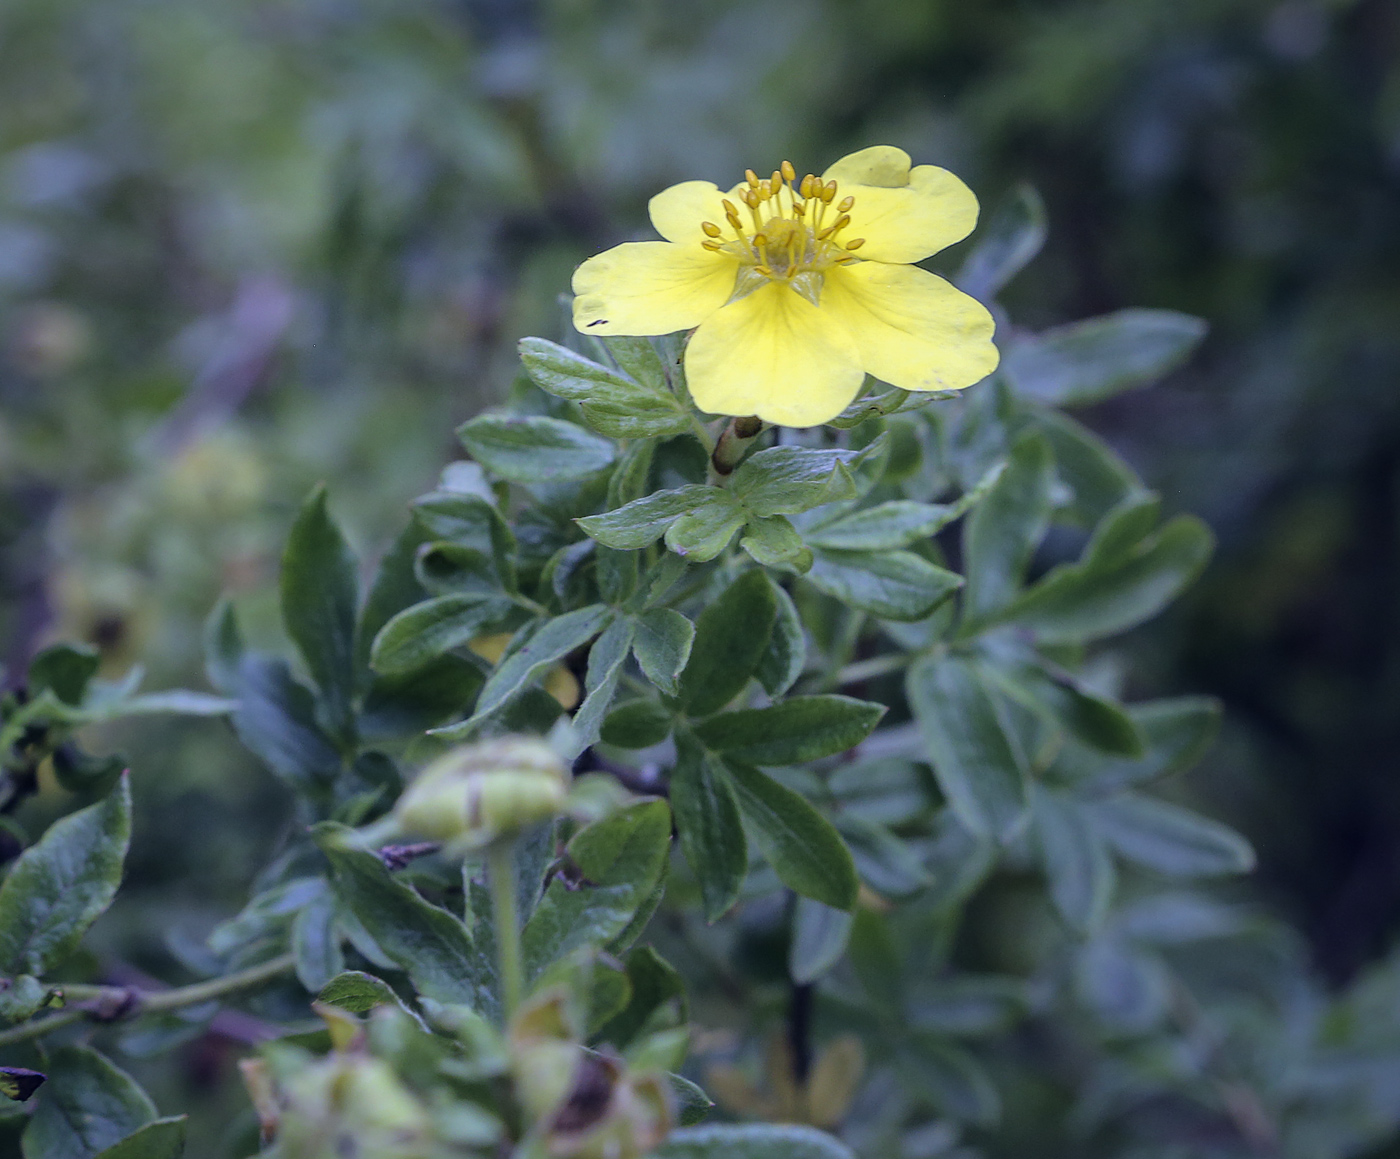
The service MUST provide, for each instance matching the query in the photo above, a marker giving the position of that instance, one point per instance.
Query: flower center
(795, 235)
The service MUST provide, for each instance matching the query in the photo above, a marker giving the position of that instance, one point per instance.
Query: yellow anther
(776, 181)
(765, 191)
(712, 245)
(799, 208)
(829, 192)
(760, 239)
(752, 178)
(855, 245)
(749, 198)
(764, 270)
(789, 173)
(728, 206)
(710, 228)
(735, 221)
(806, 187)
(846, 203)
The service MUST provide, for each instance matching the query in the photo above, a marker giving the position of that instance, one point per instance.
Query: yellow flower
(800, 289)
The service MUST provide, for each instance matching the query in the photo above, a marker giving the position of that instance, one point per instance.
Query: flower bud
(472, 795)
(347, 1104)
(587, 1104)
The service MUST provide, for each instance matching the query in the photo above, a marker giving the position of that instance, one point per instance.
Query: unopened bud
(474, 794)
(348, 1104)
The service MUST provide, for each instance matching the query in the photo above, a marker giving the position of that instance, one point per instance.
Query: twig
(133, 1002)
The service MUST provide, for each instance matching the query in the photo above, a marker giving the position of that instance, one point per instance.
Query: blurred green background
(250, 244)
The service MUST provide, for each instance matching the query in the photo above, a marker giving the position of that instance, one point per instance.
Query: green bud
(474, 794)
(348, 1104)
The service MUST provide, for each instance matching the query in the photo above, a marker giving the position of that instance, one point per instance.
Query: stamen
(846, 203)
(711, 229)
(752, 178)
(855, 245)
(711, 245)
(789, 173)
(829, 192)
(776, 181)
(806, 187)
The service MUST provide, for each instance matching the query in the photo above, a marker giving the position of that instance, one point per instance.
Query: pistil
(791, 243)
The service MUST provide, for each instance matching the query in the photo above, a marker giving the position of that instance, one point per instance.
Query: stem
(869, 669)
(500, 868)
(148, 1001)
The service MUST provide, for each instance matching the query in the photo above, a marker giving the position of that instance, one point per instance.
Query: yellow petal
(904, 214)
(775, 355)
(913, 329)
(678, 211)
(650, 287)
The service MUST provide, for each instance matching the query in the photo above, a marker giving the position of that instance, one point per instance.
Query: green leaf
(1006, 244)
(223, 647)
(398, 706)
(662, 646)
(534, 449)
(57, 889)
(467, 520)
(1088, 361)
(65, 670)
(805, 728)
(1171, 840)
(21, 997)
(819, 937)
(1097, 598)
(788, 480)
(394, 588)
(621, 857)
(950, 1077)
(1072, 707)
(693, 1103)
(774, 542)
(894, 585)
(176, 701)
(751, 1141)
(1007, 526)
(978, 765)
(162, 1139)
(638, 724)
(637, 358)
(86, 1106)
(605, 661)
(316, 943)
(614, 404)
(786, 656)
(418, 635)
(643, 521)
(655, 982)
(554, 639)
(1076, 859)
(426, 942)
(276, 719)
(320, 594)
(1128, 989)
(1176, 733)
(710, 828)
(1091, 469)
(704, 533)
(646, 416)
(357, 992)
(800, 844)
(884, 862)
(1123, 527)
(884, 527)
(561, 372)
(731, 637)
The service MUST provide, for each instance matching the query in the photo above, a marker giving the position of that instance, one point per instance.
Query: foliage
(828, 707)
